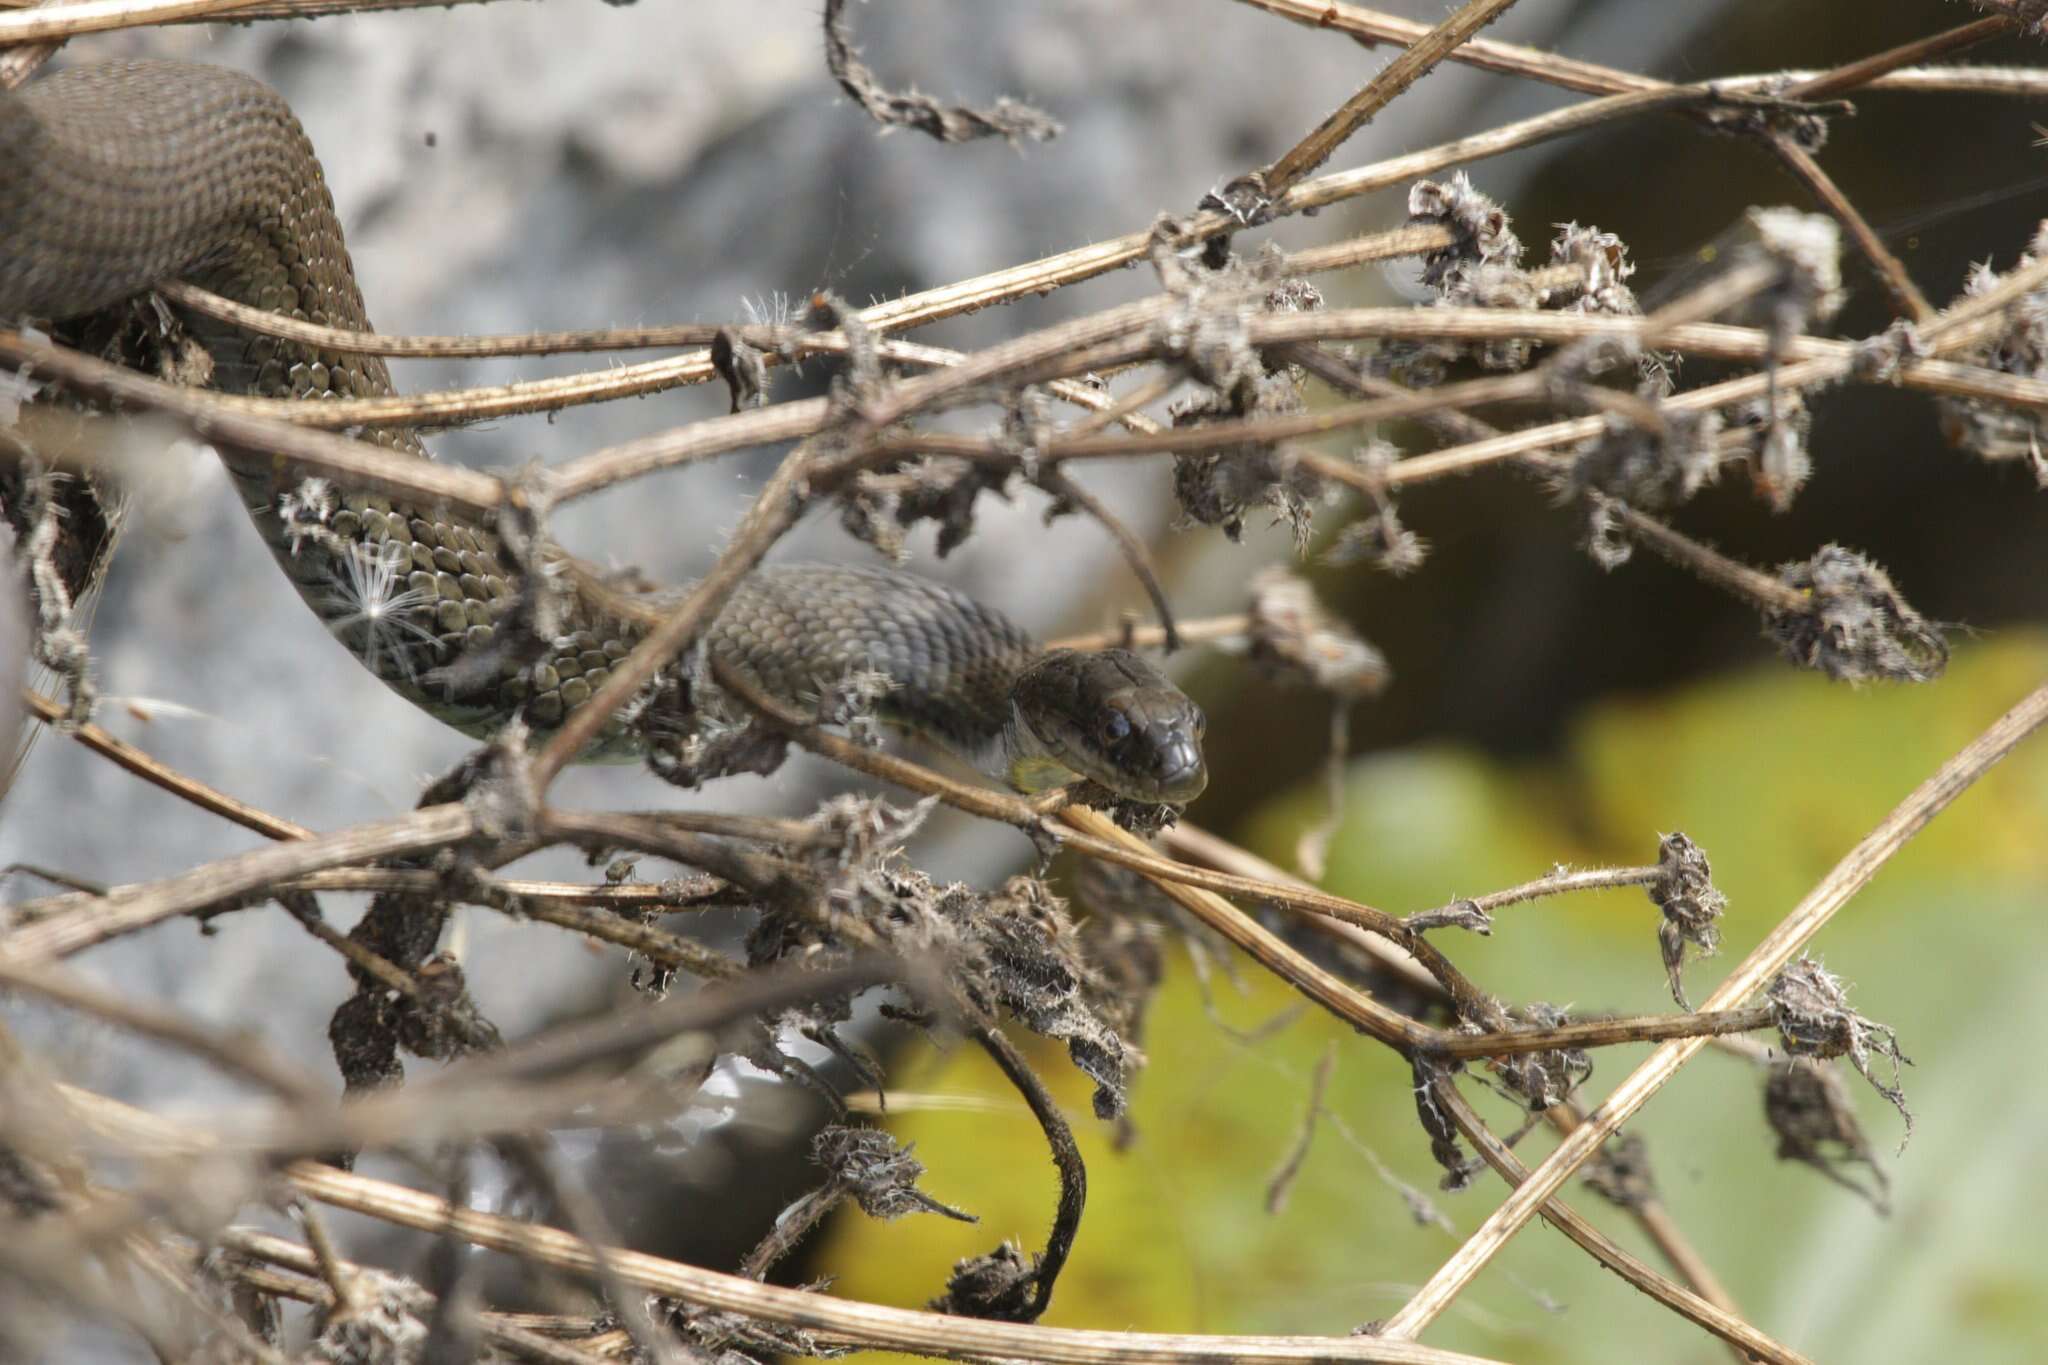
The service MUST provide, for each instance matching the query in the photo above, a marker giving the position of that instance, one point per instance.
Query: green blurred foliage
(1775, 775)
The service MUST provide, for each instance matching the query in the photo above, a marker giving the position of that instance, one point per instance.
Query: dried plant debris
(1484, 235)
(1206, 335)
(1539, 1080)
(1854, 625)
(1994, 431)
(1459, 1169)
(1014, 951)
(879, 506)
(1806, 248)
(1777, 429)
(1814, 1020)
(1684, 891)
(1602, 267)
(1009, 119)
(1809, 1109)
(877, 1172)
(1003, 1286)
(382, 1327)
(1379, 538)
(1293, 638)
(1652, 471)
(1620, 1172)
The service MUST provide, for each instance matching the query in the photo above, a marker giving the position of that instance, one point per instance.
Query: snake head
(1111, 716)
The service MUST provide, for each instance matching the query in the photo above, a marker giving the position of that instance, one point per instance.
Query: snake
(117, 176)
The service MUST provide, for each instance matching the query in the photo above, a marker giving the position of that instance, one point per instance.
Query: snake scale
(116, 176)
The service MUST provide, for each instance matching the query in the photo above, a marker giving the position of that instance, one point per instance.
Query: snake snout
(1178, 773)
(1111, 716)
(1158, 753)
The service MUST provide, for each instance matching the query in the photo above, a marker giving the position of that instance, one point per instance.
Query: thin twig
(1560, 1215)
(1765, 961)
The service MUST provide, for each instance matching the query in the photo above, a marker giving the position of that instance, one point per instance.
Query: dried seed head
(1807, 249)
(1854, 626)
(1001, 1286)
(1485, 235)
(1652, 471)
(1684, 891)
(1540, 1080)
(1808, 1107)
(878, 1172)
(1602, 263)
(1814, 1020)
(1994, 431)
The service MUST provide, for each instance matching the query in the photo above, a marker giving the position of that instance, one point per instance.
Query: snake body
(116, 176)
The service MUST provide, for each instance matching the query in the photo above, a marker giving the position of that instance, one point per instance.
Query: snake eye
(1115, 727)
(1201, 722)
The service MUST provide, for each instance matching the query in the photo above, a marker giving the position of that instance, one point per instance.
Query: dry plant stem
(447, 407)
(356, 464)
(1282, 1181)
(1208, 630)
(305, 912)
(549, 902)
(869, 1324)
(1199, 845)
(774, 511)
(1590, 78)
(98, 16)
(1035, 277)
(1891, 271)
(1642, 1028)
(1857, 74)
(1095, 835)
(1135, 551)
(1348, 1003)
(20, 61)
(237, 1055)
(1558, 1214)
(1655, 1219)
(761, 873)
(1395, 77)
(1754, 586)
(1066, 1158)
(82, 922)
(505, 1329)
(163, 775)
(1765, 961)
(296, 9)
(678, 894)
(1557, 884)
(777, 343)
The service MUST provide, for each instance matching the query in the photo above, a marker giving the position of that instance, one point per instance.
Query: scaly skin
(114, 177)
